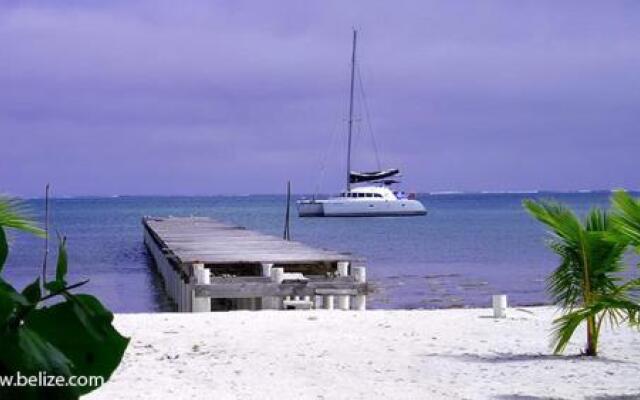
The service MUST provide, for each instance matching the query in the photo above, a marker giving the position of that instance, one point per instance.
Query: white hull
(360, 208)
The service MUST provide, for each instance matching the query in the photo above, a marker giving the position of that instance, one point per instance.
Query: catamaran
(376, 197)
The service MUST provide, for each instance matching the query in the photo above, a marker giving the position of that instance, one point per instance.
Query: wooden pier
(207, 265)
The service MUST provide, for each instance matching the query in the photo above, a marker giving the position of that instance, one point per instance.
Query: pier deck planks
(204, 240)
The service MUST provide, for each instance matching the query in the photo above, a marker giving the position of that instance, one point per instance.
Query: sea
(468, 247)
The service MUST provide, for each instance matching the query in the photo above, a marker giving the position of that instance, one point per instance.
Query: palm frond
(565, 326)
(565, 283)
(626, 217)
(564, 224)
(12, 215)
(597, 220)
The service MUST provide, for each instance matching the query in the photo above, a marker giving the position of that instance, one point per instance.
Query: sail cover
(357, 177)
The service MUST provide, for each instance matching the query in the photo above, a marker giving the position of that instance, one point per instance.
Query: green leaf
(32, 292)
(95, 347)
(4, 248)
(61, 267)
(54, 286)
(24, 350)
(16, 297)
(7, 305)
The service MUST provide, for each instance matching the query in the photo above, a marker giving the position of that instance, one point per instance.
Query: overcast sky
(204, 97)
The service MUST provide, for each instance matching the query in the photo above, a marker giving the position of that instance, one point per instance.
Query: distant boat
(375, 200)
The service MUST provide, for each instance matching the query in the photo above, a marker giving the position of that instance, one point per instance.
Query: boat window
(377, 195)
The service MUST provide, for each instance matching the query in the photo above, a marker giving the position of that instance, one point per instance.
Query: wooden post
(176, 287)
(287, 230)
(343, 270)
(202, 276)
(188, 291)
(317, 302)
(277, 276)
(172, 289)
(267, 302)
(168, 272)
(179, 291)
(360, 275)
(185, 294)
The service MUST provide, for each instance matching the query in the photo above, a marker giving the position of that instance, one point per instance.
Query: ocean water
(467, 248)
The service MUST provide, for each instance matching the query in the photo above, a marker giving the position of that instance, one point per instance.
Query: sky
(237, 97)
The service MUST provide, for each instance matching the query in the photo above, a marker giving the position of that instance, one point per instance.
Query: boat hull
(342, 208)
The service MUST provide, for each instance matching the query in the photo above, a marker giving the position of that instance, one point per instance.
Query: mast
(353, 69)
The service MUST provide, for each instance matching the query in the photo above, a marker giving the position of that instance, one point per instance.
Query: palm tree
(586, 283)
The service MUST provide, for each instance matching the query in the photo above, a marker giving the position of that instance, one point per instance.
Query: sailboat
(367, 194)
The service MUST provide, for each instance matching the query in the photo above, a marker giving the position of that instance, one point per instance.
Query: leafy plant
(587, 284)
(73, 337)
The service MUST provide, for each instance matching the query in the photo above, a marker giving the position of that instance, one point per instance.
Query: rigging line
(357, 135)
(334, 141)
(325, 155)
(368, 116)
(358, 140)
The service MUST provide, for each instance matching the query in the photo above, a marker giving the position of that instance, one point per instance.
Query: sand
(452, 354)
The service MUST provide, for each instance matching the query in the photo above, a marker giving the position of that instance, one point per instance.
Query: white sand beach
(452, 354)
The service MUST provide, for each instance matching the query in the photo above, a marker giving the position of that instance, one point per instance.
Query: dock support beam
(277, 276)
(343, 270)
(202, 276)
(360, 275)
(327, 301)
(186, 293)
(267, 302)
